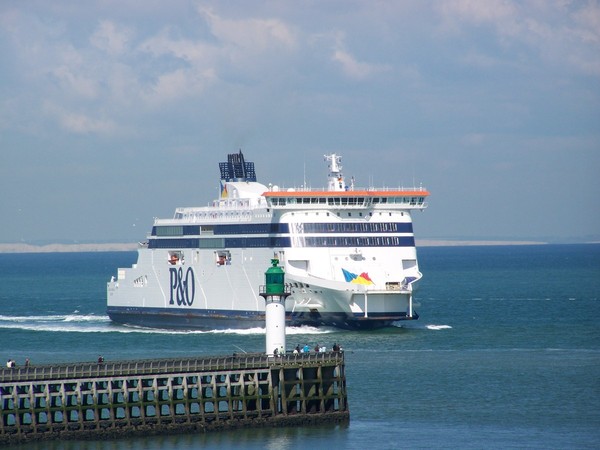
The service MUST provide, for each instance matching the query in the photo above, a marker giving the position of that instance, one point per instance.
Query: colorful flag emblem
(363, 278)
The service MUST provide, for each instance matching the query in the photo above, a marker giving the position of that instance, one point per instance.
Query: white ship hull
(350, 261)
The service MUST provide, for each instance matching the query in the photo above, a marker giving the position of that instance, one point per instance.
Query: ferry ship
(348, 253)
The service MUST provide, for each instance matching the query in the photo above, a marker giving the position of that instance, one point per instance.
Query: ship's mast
(336, 178)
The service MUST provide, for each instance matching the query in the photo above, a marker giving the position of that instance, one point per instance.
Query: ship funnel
(237, 169)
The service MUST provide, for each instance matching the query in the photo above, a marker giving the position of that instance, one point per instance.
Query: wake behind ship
(349, 256)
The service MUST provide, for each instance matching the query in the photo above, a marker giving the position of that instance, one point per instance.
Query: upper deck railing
(394, 198)
(167, 366)
(240, 210)
(371, 189)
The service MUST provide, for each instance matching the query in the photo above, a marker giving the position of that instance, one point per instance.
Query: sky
(116, 112)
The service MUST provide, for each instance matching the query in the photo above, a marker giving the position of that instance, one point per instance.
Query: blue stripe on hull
(220, 320)
(171, 318)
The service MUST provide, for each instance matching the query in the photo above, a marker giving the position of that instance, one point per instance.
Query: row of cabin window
(283, 228)
(273, 242)
(343, 201)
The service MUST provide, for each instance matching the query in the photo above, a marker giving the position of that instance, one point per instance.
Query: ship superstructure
(348, 253)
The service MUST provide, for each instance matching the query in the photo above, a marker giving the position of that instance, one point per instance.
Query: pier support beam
(163, 396)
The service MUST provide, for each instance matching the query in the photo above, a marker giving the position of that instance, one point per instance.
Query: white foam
(242, 331)
(90, 323)
(438, 327)
(56, 318)
(86, 318)
(305, 329)
(239, 331)
(54, 327)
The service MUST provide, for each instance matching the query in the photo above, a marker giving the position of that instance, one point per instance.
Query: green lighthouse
(274, 292)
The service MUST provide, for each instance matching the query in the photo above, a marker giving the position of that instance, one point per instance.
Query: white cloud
(193, 52)
(351, 67)
(194, 67)
(75, 83)
(178, 84)
(80, 123)
(588, 23)
(256, 35)
(252, 50)
(139, 80)
(566, 34)
(111, 37)
(478, 11)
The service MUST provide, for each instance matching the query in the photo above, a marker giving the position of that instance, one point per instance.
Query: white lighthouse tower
(275, 293)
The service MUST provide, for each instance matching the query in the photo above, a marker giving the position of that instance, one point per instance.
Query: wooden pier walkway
(125, 398)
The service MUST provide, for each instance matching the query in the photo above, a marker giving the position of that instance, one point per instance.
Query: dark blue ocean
(506, 353)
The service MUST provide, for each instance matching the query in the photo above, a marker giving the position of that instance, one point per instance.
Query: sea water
(506, 353)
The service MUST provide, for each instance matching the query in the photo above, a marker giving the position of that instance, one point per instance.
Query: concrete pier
(125, 398)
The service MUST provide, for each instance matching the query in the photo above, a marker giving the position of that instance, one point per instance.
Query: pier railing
(152, 366)
(186, 395)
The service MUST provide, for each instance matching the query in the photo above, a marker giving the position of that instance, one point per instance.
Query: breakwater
(124, 398)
